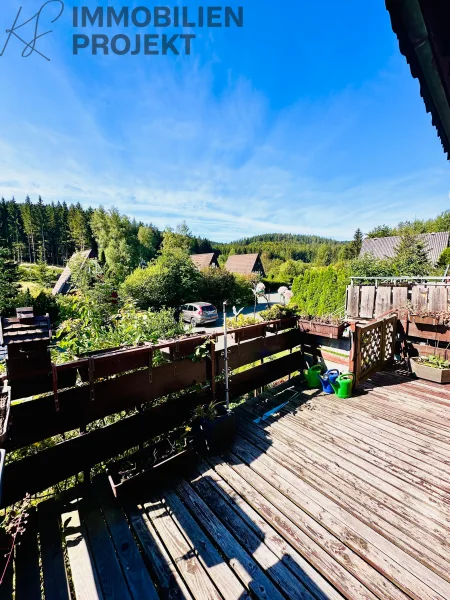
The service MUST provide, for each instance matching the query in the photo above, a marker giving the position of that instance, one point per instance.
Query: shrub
(321, 291)
(444, 259)
(171, 280)
(278, 311)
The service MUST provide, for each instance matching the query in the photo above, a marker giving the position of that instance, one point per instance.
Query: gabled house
(205, 260)
(386, 247)
(245, 264)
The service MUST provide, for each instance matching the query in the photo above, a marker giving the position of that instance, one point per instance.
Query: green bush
(171, 280)
(128, 326)
(321, 291)
(279, 311)
(444, 259)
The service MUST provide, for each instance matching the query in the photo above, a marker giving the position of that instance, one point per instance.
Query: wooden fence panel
(399, 297)
(353, 295)
(383, 301)
(260, 348)
(367, 302)
(38, 419)
(438, 299)
(48, 467)
(419, 298)
(257, 377)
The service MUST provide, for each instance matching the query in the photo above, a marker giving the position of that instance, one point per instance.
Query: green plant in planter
(278, 311)
(213, 428)
(437, 362)
(206, 411)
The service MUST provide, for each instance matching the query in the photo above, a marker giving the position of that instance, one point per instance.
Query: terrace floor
(325, 498)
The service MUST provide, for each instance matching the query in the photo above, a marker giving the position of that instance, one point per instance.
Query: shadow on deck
(321, 498)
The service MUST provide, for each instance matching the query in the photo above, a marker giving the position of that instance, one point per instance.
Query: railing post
(212, 355)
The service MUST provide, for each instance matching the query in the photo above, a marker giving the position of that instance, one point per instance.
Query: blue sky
(306, 120)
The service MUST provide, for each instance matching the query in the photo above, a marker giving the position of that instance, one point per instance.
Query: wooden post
(352, 363)
(212, 356)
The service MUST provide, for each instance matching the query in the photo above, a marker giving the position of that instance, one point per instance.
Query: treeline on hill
(152, 267)
(34, 232)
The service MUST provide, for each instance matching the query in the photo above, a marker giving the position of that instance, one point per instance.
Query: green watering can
(343, 385)
(312, 376)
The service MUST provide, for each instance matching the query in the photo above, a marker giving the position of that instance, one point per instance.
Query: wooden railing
(125, 380)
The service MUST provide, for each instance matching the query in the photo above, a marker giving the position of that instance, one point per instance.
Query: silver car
(199, 313)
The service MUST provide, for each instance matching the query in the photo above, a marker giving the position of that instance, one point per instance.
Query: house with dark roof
(386, 247)
(245, 264)
(62, 286)
(205, 260)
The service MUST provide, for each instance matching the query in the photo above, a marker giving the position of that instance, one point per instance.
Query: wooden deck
(325, 499)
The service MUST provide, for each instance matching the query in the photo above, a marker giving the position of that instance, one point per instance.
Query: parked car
(199, 313)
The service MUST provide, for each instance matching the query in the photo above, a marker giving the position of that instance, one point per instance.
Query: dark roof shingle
(203, 261)
(435, 244)
(243, 264)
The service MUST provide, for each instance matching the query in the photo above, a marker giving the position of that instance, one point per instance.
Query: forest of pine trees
(47, 232)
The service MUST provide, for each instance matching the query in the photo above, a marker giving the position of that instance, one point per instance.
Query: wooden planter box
(429, 373)
(249, 333)
(287, 323)
(419, 320)
(214, 437)
(146, 482)
(5, 407)
(322, 329)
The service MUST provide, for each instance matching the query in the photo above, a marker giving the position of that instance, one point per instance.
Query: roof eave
(417, 45)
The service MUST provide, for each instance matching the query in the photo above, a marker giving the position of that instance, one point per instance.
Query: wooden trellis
(374, 346)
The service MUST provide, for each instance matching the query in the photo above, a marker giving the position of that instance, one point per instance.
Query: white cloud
(162, 147)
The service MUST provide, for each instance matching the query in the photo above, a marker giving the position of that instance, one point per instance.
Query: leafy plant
(208, 412)
(437, 362)
(278, 311)
(242, 321)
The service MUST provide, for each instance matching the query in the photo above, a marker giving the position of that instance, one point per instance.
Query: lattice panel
(389, 339)
(375, 346)
(370, 350)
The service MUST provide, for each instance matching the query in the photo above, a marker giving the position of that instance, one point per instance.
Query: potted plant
(330, 327)
(284, 315)
(214, 428)
(151, 468)
(5, 406)
(431, 368)
(246, 328)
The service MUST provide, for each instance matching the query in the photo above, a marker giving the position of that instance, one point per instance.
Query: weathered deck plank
(56, 586)
(327, 499)
(84, 576)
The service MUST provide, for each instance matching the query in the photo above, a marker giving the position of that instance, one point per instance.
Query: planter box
(249, 333)
(419, 320)
(287, 323)
(5, 407)
(147, 481)
(429, 373)
(214, 437)
(322, 329)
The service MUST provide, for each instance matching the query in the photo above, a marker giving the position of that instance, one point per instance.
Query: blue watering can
(328, 380)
